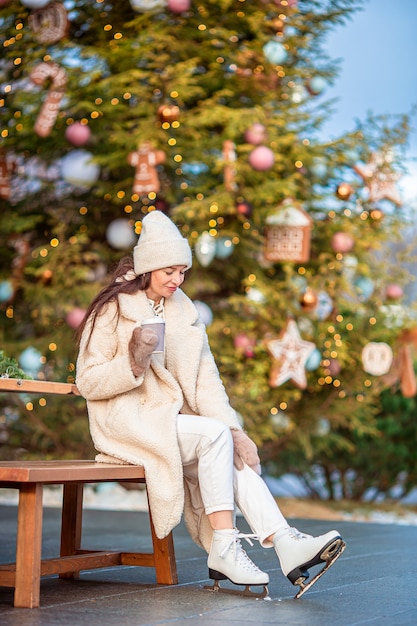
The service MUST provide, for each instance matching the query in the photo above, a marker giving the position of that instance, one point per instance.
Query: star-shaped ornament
(384, 187)
(290, 354)
(380, 179)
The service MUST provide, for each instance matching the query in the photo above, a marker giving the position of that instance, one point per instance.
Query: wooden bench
(29, 477)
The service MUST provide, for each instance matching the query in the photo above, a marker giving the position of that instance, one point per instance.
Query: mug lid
(153, 320)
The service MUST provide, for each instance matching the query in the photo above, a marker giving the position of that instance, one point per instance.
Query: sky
(378, 53)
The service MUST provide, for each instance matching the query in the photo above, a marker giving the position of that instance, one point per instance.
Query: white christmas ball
(78, 168)
(364, 286)
(323, 427)
(316, 85)
(224, 247)
(299, 283)
(35, 4)
(204, 311)
(205, 249)
(349, 266)
(281, 421)
(305, 326)
(313, 360)
(324, 306)
(319, 167)
(142, 6)
(6, 290)
(30, 360)
(275, 52)
(120, 234)
(255, 295)
(298, 94)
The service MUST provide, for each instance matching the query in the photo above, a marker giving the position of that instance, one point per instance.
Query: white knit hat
(160, 245)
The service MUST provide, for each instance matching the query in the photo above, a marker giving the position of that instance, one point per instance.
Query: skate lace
(239, 553)
(298, 534)
(293, 533)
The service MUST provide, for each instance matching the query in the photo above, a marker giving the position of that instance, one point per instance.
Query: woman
(170, 413)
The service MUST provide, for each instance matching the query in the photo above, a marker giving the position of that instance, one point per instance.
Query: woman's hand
(141, 346)
(245, 451)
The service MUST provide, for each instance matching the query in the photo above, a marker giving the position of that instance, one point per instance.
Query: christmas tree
(210, 111)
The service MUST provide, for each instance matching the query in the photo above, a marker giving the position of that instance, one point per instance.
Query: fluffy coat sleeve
(103, 365)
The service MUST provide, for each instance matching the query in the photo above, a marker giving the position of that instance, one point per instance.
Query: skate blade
(330, 555)
(244, 593)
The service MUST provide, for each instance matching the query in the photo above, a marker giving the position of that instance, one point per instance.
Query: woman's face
(165, 282)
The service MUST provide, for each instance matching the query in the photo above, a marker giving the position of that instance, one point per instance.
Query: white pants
(206, 447)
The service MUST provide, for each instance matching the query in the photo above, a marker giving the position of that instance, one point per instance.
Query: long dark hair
(118, 284)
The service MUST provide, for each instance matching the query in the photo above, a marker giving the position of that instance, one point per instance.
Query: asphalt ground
(373, 582)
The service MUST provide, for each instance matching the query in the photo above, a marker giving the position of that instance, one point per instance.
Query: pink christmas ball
(244, 208)
(394, 291)
(261, 158)
(334, 367)
(78, 134)
(255, 134)
(241, 340)
(178, 6)
(342, 242)
(75, 317)
(245, 344)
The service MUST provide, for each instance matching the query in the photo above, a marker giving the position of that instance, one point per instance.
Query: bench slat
(21, 385)
(50, 472)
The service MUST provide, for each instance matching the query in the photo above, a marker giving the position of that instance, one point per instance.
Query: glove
(245, 451)
(141, 346)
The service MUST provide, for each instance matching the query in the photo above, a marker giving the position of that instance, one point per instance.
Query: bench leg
(71, 523)
(164, 555)
(28, 546)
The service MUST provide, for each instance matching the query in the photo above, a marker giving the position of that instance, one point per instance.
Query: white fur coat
(134, 419)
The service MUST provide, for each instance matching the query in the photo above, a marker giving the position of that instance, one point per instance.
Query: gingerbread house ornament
(288, 233)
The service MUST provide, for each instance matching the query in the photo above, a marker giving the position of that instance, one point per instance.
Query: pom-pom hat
(160, 245)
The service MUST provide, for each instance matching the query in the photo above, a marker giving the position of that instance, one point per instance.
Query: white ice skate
(227, 560)
(297, 552)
